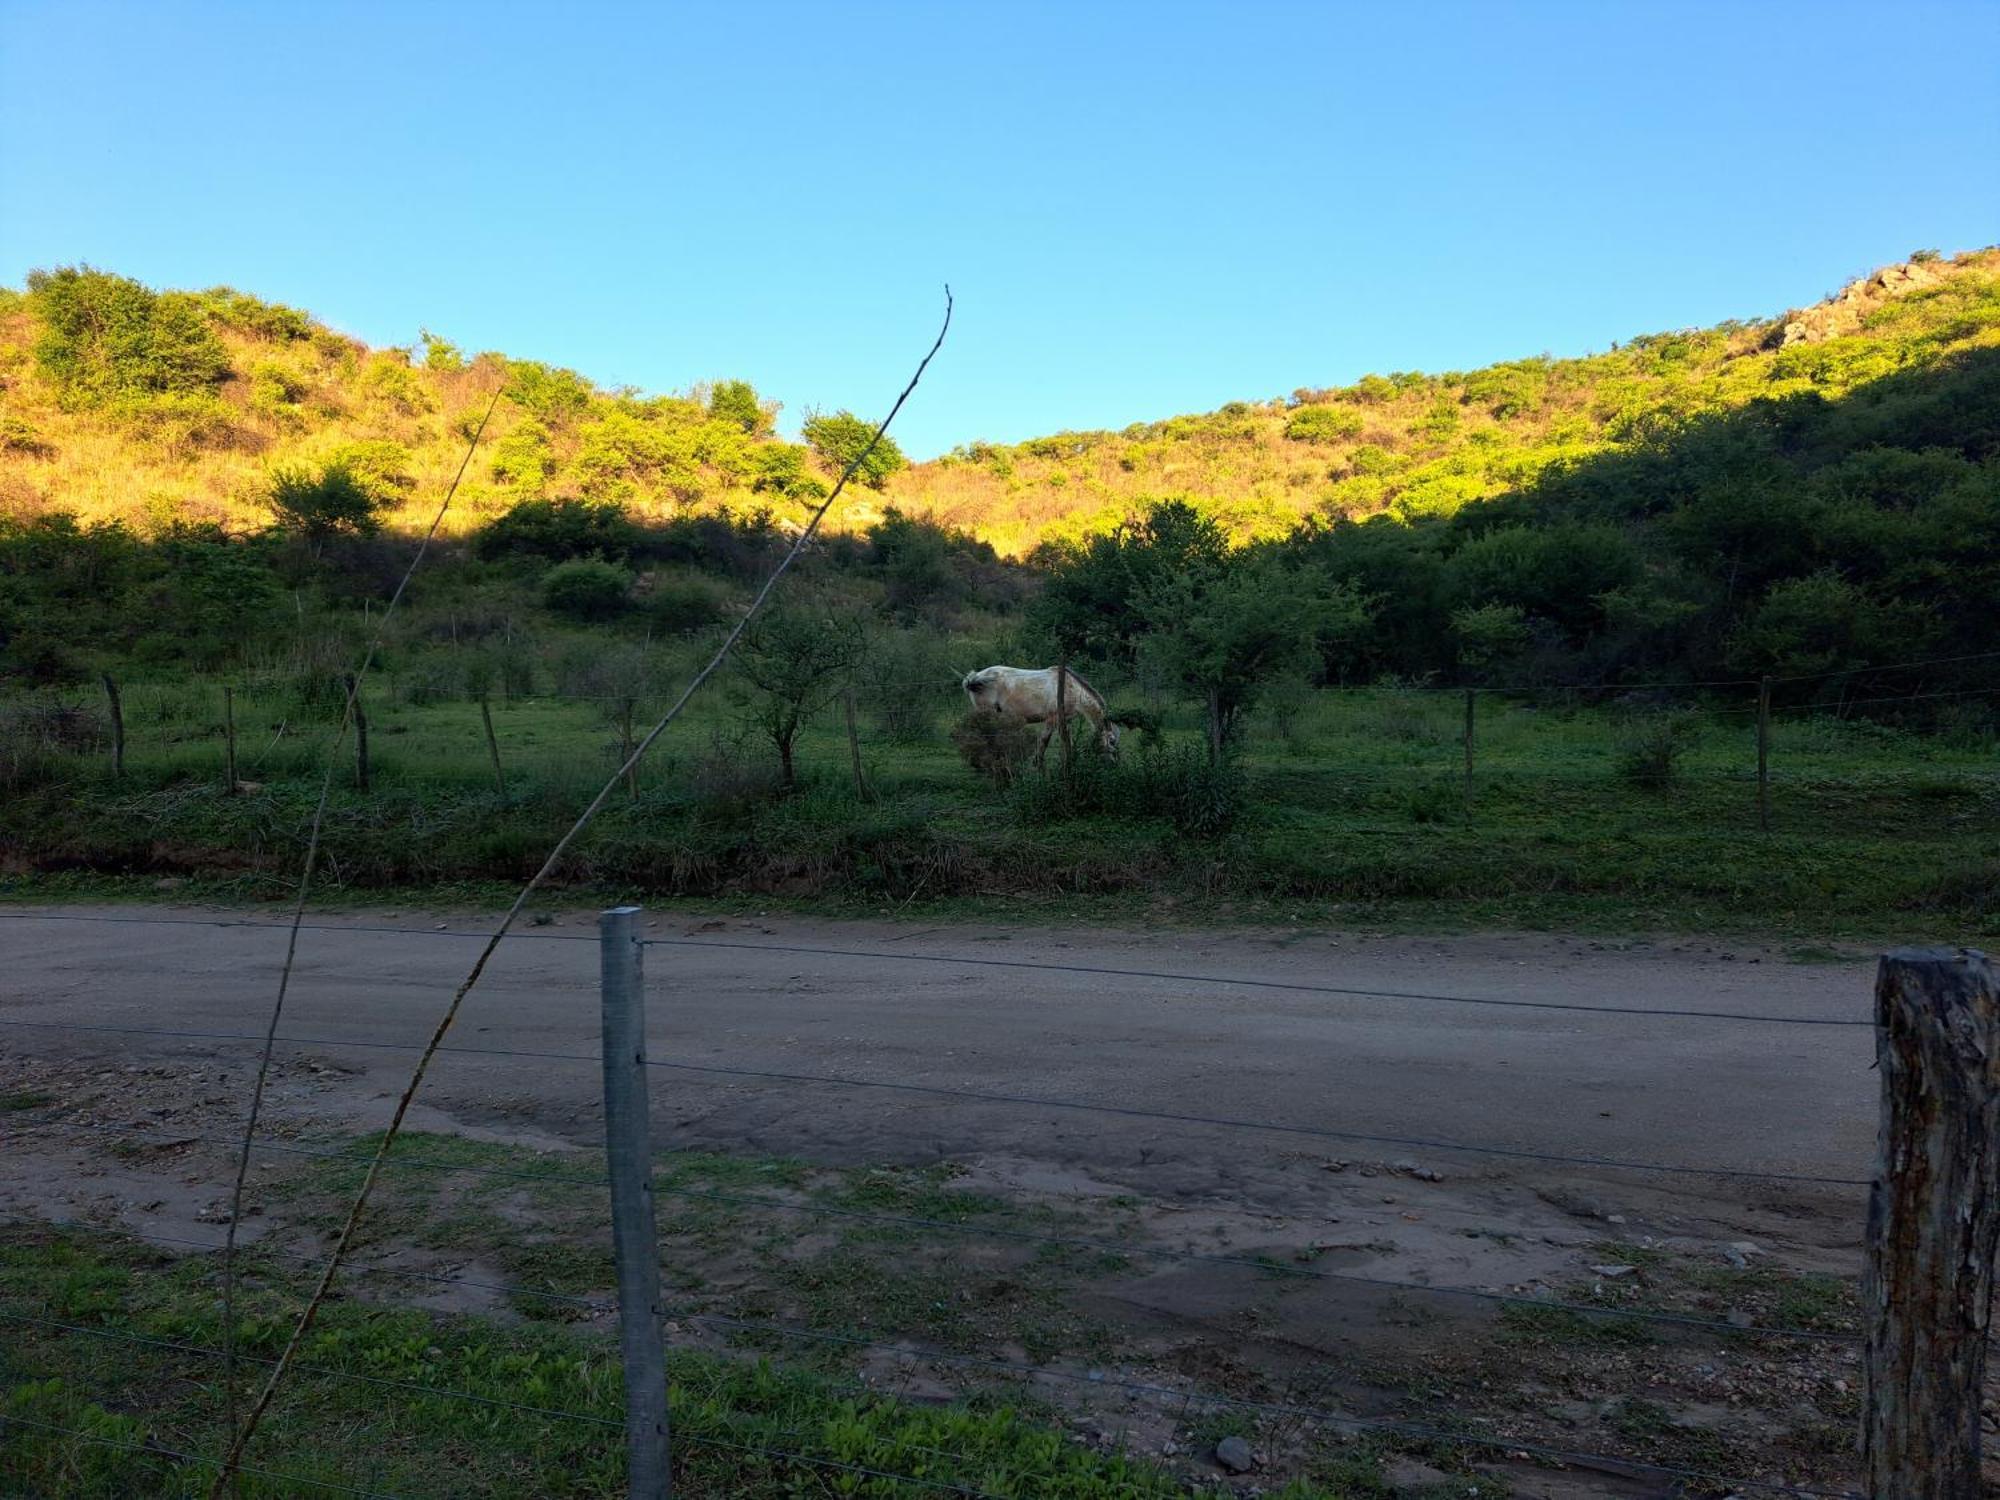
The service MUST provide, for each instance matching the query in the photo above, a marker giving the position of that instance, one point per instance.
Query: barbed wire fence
(1017, 1371)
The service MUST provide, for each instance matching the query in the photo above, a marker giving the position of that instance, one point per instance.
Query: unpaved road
(1747, 1095)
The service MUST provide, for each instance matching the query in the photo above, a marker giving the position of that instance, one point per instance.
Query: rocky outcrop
(1842, 313)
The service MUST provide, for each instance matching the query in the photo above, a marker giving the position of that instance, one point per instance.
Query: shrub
(105, 336)
(1322, 424)
(993, 746)
(333, 502)
(557, 530)
(841, 438)
(682, 606)
(586, 588)
(735, 402)
(1650, 748)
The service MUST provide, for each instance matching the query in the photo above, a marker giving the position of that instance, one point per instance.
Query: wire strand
(155, 1450)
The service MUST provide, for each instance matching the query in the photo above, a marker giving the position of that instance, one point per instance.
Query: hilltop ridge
(1417, 446)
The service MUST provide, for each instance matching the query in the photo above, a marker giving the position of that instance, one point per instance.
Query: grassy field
(1353, 807)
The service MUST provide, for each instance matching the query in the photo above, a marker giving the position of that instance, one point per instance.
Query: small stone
(1233, 1454)
(1405, 1476)
(1614, 1272)
(1736, 1317)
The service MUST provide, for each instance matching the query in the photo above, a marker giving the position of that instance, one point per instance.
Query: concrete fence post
(628, 1148)
(1933, 1223)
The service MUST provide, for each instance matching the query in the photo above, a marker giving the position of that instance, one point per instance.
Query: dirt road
(1683, 1090)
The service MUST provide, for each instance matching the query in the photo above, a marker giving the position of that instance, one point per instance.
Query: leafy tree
(104, 337)
(1323, 424)
(336, 501)
(1224, 629)
(841, 438)
(587, 589)
(735, 402)
(440, 353)
(1092, 603)
(795, 659)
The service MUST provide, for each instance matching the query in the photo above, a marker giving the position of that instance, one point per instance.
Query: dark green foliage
(682, 604)
(1650, 749)
(842, 439)
(106, 337)
(556, 530)
(587, 589)
(551, 393)
(336, 501)
(256, 317)
(735, 402)
(1090, 601)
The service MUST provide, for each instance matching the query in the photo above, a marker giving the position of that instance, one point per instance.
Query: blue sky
(1144, 209)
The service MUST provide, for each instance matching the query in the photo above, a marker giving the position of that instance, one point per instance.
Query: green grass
(141, 1396)
(1357, 812)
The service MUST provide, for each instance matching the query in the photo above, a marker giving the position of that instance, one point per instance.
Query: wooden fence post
(360, 733)
(1471, 709)
(1933, 1223)
(634, 1233)
(854, 743)
(229, 740)
(625, 749)
(1764, 754)
(1062, 710)
(492, 746)
(117, 727)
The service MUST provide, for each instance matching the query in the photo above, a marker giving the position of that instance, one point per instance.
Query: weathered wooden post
(360, 732)
(625, 749)
(628, 1145)
(854, 743)
(117, 727)
(229, 740)
(1471, 709)
(1933, 1223)
(492, 746)
(1062, 710)
(1764, 754)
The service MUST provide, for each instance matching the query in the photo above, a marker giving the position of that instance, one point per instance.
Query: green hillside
(1416, 446)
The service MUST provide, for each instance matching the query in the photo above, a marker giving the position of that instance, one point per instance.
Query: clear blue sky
(1144, 209)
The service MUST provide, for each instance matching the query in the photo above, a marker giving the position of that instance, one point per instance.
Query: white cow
(1028, 695)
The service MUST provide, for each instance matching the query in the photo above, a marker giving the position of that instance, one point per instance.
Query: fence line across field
(769, 1205)
(966, 960)
(1024, 1100)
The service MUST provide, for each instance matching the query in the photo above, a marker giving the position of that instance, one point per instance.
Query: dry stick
(492, 746)
(348, 1228)
(292, 939)
(631, 770)
(117, 727)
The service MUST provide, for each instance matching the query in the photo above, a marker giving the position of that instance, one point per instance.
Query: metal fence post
(1933, 1223)
(629, 1149)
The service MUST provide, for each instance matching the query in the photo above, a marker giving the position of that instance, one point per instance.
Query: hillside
(1424, 446)
(119, 403)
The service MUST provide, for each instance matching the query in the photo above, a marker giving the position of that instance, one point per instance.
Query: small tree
(795, 658)
(1223, 632)
(840, 438)
(735, 401)
(103, 337)
(334, 502)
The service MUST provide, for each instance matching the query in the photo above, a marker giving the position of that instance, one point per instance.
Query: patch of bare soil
(1429, 1299)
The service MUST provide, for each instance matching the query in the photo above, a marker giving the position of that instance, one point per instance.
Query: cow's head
(978, 687)
(1109, 739)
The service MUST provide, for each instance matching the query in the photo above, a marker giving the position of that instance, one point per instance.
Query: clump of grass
(1650, 749)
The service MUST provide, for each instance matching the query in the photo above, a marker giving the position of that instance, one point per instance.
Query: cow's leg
(1042, 747)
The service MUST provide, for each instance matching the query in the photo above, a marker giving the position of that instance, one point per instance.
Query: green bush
(104, 337)
(557, 530)
(683, 605)
(586, 588)
(1650, 749)
(1323, 424)
(841, 438)
(317, 506)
